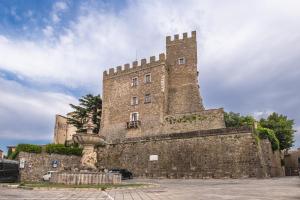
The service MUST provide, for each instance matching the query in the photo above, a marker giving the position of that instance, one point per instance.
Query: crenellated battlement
(134, 66)
(176, 37)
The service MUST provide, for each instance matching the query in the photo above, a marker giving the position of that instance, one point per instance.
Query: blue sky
(52, 52)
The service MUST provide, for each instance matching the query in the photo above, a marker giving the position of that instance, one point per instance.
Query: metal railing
(133, 124)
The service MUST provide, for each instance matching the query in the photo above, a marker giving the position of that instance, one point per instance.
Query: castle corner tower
(183, 87)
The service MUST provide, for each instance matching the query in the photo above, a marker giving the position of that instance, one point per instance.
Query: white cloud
(48, 31)
(261, 114)
(58, 8)
(99, 39)
(248, 51)
(27, 113)
(60, 5)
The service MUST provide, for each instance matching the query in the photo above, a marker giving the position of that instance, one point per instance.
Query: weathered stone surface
(215, 153)
(204, 120)
(271, 160)
(36, 165)
(183, 88)
(85, 178)
(63, 132)
(292, 163)
(173, 90)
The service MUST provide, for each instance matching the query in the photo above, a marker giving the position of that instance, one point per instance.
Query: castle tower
(157, 96)
(183, 92)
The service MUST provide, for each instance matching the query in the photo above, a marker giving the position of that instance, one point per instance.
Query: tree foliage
(87, 104)
(236, 120)
(266, 133)
(282, 127)
(30, 148)
(62, 149)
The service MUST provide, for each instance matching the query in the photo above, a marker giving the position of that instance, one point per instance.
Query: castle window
(134, 81)
(134, 116)
(181, 61)
(148, 78)
(147, 98)
(134, 101)
(134, 121)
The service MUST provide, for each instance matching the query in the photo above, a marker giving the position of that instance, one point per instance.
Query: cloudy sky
(53, 52)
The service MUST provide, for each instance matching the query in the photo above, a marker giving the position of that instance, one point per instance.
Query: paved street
(265, 189)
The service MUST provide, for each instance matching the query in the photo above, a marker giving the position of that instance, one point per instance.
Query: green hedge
(30, 148)
(265, 133)
(61, 149)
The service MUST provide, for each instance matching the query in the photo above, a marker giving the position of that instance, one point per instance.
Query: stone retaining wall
(219, 153)
(272, 160)
(36, 165)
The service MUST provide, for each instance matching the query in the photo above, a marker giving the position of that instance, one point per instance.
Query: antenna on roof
(136, 55)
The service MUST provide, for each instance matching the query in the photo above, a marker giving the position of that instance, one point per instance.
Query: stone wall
(118, 92)
(183, 86)
(204, 120)
(36, 165)
(271, 159)
(173, 89)
(292, 162)
(85, 178)
(63, 132)
(218, 153)
(60, 130)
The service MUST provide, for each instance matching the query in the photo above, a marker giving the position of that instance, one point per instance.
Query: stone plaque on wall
(153, 157)
(22, 163)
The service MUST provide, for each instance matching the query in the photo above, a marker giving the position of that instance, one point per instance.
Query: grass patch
(101, 186)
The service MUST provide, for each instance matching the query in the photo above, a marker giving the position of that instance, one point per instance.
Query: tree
(282, 127)
(87, 104)
(266, 133)
(236, 120)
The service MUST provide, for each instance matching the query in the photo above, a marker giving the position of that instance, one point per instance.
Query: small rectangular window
(181, 61)
(134, 101)
(134, 116)
(147, 98)
(134, 82)
(148, 78)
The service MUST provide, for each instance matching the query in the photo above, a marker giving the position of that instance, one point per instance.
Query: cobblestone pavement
(287, 188)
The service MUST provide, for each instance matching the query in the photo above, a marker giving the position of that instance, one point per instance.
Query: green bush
(265, 133)
(62, 149)
(13, 155)
(30, 148)
(236, 120)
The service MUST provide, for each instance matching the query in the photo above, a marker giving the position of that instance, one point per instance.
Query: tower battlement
(126, 68)
(176, 38)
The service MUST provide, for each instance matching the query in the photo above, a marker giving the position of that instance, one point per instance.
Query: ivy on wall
(185, 118)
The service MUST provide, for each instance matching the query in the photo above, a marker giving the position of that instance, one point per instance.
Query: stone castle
(63, 132)
(154, 123)
(157, 97)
